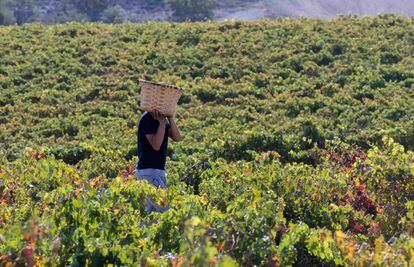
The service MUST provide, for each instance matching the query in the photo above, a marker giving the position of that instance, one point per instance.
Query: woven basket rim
(161, 84)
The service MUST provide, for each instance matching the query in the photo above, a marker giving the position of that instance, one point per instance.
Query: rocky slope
(332, 8)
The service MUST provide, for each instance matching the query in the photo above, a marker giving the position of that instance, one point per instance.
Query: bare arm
(173, 132)
(156, 139)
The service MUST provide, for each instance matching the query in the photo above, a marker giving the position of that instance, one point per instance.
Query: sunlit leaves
(283, 160)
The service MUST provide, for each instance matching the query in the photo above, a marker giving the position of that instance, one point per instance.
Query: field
(297, 150)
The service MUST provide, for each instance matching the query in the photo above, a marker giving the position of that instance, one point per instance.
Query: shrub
(192, 10)
(113, 14)
(24, 11)
(93, 8)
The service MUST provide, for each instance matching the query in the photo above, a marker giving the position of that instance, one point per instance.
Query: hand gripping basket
(160, 96)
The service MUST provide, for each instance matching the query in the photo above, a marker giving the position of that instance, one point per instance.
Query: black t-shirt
(148, 157)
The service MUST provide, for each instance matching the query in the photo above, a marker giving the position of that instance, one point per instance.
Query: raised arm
(156, 139)
(173, 132)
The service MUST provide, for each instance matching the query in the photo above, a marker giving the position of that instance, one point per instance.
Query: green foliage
(2, 13)
(113, 15)
(284, 160)
(92, 8)
(69, 14)
(191, 10)
(24, 11)
(257, 212)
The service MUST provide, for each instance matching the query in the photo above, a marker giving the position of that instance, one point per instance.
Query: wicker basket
(159, 96)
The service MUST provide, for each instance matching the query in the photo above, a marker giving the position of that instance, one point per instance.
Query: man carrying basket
(154, 128)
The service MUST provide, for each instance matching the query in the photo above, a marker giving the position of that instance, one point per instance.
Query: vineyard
(297, 150)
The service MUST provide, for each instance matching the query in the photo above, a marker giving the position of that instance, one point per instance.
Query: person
(154, 129)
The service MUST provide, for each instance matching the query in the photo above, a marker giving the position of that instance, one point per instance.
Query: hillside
(53, 11)
(332, 8)
(250, 10)
(298, 143)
